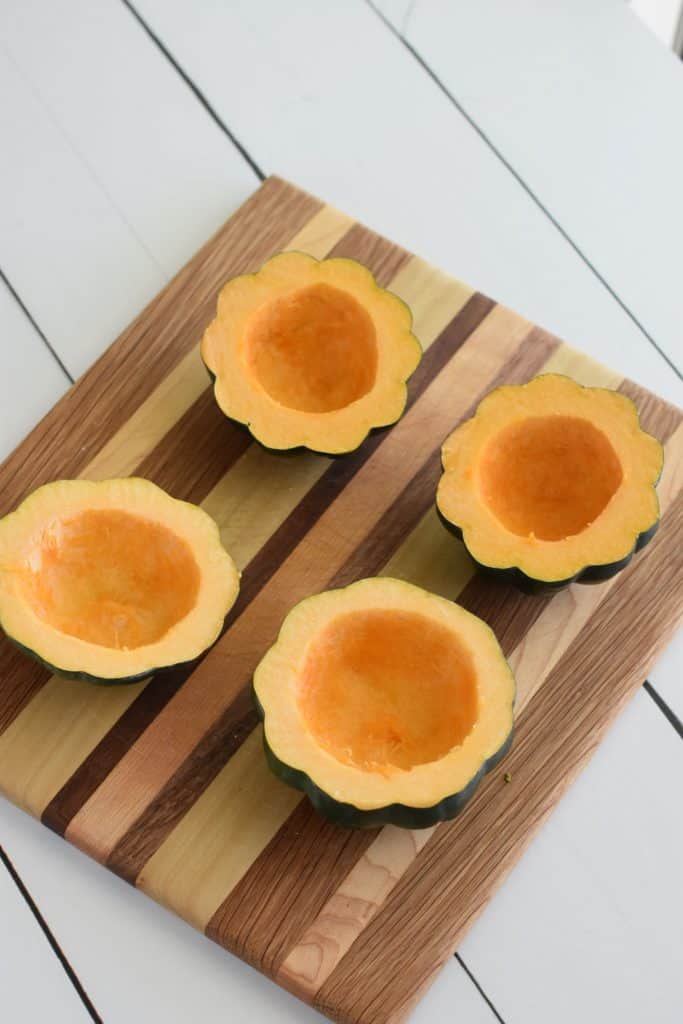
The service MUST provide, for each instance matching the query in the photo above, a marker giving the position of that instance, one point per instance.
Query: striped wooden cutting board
(164, 781)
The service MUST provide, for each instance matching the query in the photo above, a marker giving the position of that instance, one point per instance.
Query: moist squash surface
(551, 482)
(112, 580)
(310, 353)
(384, 703)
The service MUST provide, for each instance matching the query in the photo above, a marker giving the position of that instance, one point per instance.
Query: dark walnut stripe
(361, 244)
(290, 883)
(206, 444)
(232, 923)
(198, 771)
(421, 920)
(109, 751)
(100, 403)
(20, 680)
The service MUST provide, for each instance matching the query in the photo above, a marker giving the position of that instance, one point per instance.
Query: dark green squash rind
(301, 448)
(98, 680)
(589, 574)
(401, 815)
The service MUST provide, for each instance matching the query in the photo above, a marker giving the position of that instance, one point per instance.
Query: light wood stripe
(257, 495)
(201, 701)
(533, 659)
(355, 903)
(53, 734)
(432, 558)
(53, 718)
(322, 232)
(583, 369)
(431, 295)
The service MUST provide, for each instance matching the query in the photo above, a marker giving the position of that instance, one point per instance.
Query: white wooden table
(532, 149)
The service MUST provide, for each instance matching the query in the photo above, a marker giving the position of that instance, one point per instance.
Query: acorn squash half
(551, 482)
(384, 703)
(310, 353)
(113, 580)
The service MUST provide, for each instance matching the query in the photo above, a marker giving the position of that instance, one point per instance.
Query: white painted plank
(667, 675)
(33, 984)
(325, 95)
(149, 965)
(112, 173)
(660, 16)
(66, 250)
(589, 926)
(31, 380)
(166, 166)
(585, 104)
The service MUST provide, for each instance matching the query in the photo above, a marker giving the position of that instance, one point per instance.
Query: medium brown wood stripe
(207, 444)
(359, 243)
(168, 806)
(295, 876)
(472, 855)
(657, 417)
(87, 418)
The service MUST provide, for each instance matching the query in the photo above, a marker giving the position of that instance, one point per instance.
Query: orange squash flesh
(110, 578)
(549, 476)
(388, 688)
(314, 350)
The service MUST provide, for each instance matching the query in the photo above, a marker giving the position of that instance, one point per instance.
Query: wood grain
(472, 855)
(535, 633)
(165, 781)
(204, 698)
